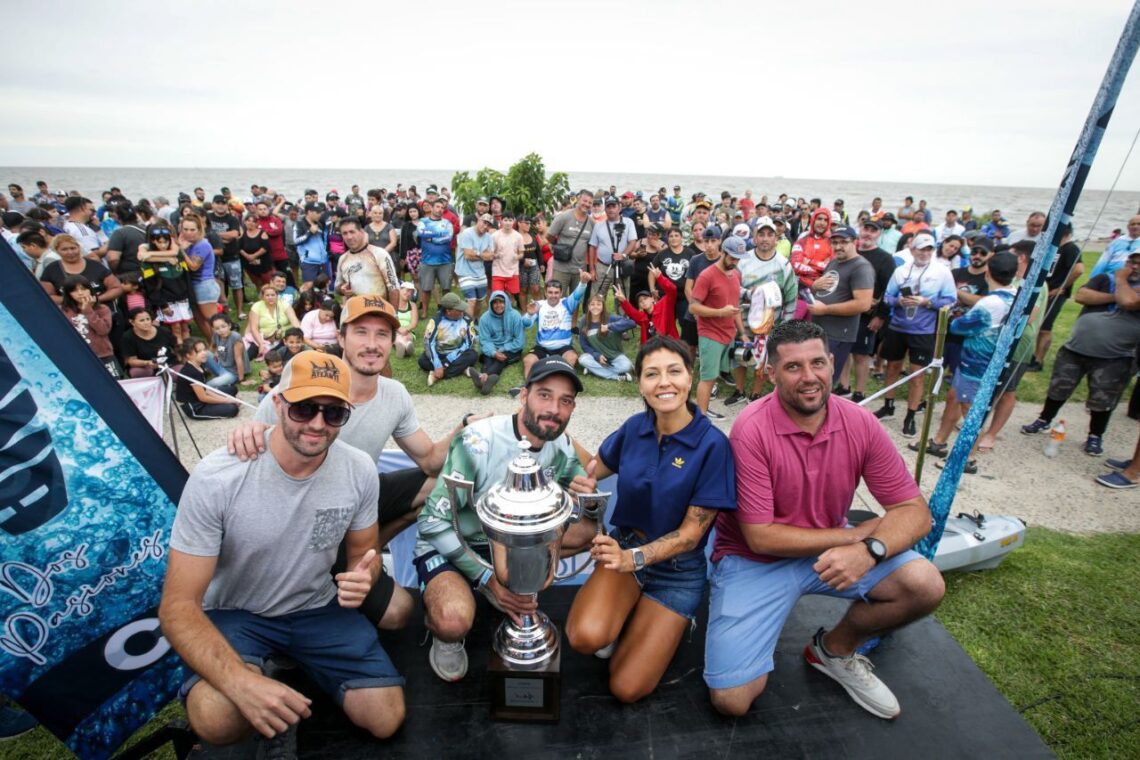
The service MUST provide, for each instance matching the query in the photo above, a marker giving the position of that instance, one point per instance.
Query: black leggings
(1098, 421)
(199, 411)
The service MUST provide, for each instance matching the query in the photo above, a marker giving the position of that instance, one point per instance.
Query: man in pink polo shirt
(800, 454)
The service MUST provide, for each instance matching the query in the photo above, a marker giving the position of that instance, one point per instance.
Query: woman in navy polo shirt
(676, 472)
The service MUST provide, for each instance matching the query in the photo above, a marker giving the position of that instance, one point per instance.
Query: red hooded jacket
(664, 315)
(812, 253)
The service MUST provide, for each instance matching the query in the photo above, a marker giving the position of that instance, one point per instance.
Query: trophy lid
(526, 502)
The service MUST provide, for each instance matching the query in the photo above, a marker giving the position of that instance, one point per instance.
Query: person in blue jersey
(1116, 255)
(449, 341)
(555, 320)
(916, 292)
(677, 475)
(434, 234)
(979, 327)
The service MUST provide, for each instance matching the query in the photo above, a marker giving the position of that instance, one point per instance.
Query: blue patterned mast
(1072, 182)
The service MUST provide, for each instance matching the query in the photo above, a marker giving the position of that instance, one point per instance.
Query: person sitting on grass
(292, 343)
(655, 316)
(196, 400)
(501, 341)
(555, 318)
(600, 337)
(228, 361)
(271, 375)
(449, 341)
(409, 316)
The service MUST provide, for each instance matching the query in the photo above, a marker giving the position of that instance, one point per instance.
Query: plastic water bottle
(1056, 435)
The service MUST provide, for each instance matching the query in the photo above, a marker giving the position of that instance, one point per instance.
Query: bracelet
(466, 417)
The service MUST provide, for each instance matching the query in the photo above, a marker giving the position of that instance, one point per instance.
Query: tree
(525, 188)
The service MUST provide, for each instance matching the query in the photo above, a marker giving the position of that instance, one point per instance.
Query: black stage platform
(949, 708)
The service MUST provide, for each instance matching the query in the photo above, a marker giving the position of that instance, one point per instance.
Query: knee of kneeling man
(733, 707)
(452, 625)
(926, 584)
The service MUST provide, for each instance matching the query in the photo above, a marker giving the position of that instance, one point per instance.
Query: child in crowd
(271, 375)
(449, 341)
(409, 316)
(228, 360)
(653, 315)
(91, 319)
(600, 337)
(196, 401)
(133, 297)
(292, 343)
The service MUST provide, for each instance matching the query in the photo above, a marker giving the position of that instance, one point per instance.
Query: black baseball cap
(983, 242)
(1003, 266)
(219, 199)
(553, 365)
(314, 207)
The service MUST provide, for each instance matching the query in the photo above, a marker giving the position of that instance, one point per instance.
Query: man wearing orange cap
(248, 572)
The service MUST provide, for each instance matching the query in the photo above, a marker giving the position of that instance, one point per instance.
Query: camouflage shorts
(1107, 378)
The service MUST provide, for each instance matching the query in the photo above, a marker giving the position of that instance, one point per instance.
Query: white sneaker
(854, 674)
(626, 377)
(448, 659)
(607, 651)
(431, 379)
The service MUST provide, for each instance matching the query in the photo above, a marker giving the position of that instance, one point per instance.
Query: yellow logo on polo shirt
(678, 462)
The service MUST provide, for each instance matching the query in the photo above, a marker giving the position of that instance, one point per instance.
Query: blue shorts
(678, 584)
(475, 294)
(206, 291)
(309, 272)
(432, 563)
(749, 603)
(337, 647)
(965, 388)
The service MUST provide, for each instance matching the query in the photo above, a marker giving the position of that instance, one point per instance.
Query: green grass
(1054, 627)
(1057, 629)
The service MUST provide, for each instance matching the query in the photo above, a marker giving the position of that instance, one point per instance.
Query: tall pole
(1061, 211)
(929, 392)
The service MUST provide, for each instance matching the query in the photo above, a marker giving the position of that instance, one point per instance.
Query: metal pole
(1064, 202)
(928, 396)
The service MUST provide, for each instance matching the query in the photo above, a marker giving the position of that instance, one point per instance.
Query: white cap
(922, 240)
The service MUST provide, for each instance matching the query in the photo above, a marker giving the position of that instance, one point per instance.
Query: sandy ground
(1015, 479)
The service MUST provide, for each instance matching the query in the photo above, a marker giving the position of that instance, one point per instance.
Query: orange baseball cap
(357, 306)
(314, 373)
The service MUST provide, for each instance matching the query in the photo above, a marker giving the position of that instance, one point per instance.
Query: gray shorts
(529, 277)
(232, 270)
(431, 274)
(1107, 378)
(569, 281)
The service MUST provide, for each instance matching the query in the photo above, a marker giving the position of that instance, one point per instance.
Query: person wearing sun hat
(449, 341)
(248, 571)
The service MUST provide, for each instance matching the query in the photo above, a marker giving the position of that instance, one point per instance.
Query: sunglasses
(304, 411)
(160, 234)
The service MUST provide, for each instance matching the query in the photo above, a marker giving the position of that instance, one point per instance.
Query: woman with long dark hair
(91, 319)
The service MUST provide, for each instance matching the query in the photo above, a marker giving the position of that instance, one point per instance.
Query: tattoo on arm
(697, 522)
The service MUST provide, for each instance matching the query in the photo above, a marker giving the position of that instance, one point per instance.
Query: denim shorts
(232, 272)
(309, 272)
(336, 646)
(477, 293)
(749, 603)
(206, 291)
(678, 584)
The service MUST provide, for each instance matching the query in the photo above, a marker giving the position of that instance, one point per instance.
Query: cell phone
(906, 291)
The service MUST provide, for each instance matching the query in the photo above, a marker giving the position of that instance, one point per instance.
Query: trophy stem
(529, 645)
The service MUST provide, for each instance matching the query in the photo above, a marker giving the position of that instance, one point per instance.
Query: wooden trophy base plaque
(533, 696)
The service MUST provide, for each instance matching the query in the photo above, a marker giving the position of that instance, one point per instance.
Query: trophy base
(527, 646)
(531, 695)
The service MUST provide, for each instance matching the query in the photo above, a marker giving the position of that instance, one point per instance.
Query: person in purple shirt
(800, 454)
(200, 255)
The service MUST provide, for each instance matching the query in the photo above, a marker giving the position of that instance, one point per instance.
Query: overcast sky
(990, 92)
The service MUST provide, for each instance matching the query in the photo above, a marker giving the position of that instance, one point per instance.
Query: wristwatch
(638, 558)
(877, 549)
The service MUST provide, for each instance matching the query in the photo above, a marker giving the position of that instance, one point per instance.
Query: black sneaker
(921, 406)
(1037, 426)
(714, 415)
(514, 392)
(735, 398)
(839, 390)
(971, 467)
(715, 390)
(1034, 366)
(1094, 446)
(726, 377)
(858, 397)
(886, 410)
(909, 429)
(940, 450)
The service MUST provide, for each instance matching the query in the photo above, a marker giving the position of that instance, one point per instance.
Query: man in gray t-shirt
(572, 225)
(843, 292)
(247, 576)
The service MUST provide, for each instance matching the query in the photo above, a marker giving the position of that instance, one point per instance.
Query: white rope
(935, 364)
(210, 388)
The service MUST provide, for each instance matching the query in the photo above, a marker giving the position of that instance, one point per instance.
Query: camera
(619, 228)
(742, 352)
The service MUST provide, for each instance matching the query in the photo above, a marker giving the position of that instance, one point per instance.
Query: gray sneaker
(854, 674)
(448, 659)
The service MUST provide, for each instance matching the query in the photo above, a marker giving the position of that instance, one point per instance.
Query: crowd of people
(745, 294)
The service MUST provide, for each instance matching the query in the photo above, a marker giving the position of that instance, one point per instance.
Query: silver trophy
(524, 519)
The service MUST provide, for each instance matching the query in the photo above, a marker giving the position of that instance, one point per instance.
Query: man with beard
(871, 321)
(382, 408)
(363, 269)
(791, 539)
(248, 575)
(482, 454)
(761, 267)
(843, 292)
(701, 210)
